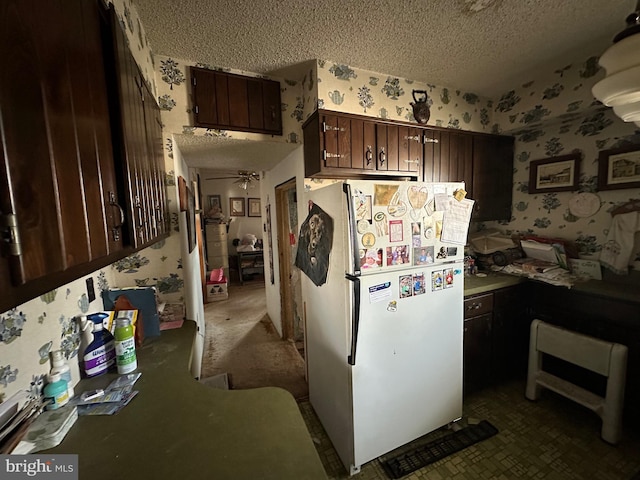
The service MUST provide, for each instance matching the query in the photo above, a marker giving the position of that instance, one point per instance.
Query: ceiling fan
(245, 179)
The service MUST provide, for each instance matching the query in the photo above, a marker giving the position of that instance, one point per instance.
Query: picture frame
(182, 194)
(554, 174)
(236, 207)
(619, 168)
(253, 207)
(215, 202)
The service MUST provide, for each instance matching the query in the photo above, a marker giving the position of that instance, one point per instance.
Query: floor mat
(406, 463)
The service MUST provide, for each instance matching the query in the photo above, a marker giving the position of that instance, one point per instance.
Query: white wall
(291, 166)
(194, 302)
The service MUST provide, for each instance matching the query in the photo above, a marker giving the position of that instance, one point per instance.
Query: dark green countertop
(618, 287)
(179, 428)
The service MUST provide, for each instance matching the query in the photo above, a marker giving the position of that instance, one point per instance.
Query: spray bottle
(60, 365)
(99, 356)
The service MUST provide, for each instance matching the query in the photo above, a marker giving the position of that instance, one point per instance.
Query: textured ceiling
(483, 46)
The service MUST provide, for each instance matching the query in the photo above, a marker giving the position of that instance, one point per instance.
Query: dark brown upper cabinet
(81, 168)
(59, 206)
(138, 139)
(340, 145)
(492, 184)
(228, 101)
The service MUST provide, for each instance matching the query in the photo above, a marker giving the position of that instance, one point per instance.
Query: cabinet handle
(382, 156)
(369, 155)
(416, 161)
(474, 306)
(11, 233)
(138, 205)
(414, 137)
(430, 140)
(326, 155)
(326, 127)
(115, 230)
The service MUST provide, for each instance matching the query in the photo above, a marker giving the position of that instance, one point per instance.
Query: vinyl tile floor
(552, 438)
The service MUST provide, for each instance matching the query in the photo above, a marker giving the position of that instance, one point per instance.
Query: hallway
(241, 341)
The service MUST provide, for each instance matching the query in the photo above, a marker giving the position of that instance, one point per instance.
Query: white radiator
(606, 358)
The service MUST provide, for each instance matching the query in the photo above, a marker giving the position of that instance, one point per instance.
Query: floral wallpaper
(556, 115)
(351, 90)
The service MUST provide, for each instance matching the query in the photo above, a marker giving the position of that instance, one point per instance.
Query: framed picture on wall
(215, 203)
(236, 207)
(254, 207)
(555, 174)
(619, 168)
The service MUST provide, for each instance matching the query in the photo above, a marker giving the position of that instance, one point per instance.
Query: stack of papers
(116, 396)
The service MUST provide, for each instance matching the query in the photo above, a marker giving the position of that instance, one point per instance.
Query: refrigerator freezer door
(407, 380)
(328, 329)
(398, 224)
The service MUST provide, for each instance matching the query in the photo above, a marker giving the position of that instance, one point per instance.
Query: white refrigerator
(383, 302)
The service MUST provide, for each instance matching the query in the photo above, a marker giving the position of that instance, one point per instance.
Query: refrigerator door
(328, 328)
(399, 224)
(407, 380)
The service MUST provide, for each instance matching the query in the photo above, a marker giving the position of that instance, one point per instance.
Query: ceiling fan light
(620, 88)
(621, 56)
(629, 112)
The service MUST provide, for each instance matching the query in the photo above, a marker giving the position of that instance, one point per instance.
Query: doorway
(290, 282)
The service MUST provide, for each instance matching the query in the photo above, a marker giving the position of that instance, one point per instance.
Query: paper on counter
(455, 221)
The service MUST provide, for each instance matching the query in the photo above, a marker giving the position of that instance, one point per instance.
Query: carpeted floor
(241, 341)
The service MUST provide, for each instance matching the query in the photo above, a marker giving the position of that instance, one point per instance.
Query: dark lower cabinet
(496, 338)
(601, 317)
(477, 352)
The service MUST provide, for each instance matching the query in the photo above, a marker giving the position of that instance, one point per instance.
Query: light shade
(620, 89)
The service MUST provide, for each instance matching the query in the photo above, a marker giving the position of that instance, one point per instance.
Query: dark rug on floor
(431, 452)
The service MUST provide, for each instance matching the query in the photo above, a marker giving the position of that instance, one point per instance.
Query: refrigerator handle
(355, 317)
(355, 267)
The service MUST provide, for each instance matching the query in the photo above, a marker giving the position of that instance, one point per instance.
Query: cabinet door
(57, 159)
(158, 202)
(337, 141)
(236, 102)
(477, 352)
(492, 177)
(363, 144)
(272, 107)
(411, 150)
(140, 148)
(510, 334)
(448, 157)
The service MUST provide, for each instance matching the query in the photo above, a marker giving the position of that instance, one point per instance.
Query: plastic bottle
(55, 391)
(100, 354)
(60, 366)
(125, 346)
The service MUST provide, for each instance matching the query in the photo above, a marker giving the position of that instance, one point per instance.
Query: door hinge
(11, 234)
(194, 81)
(196, 109)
